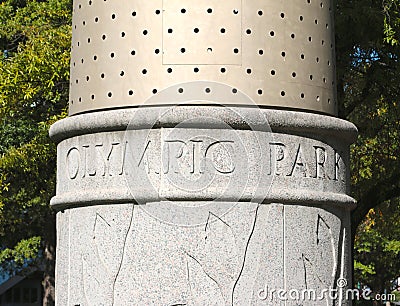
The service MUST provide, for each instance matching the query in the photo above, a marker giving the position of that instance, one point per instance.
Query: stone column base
(203, 205)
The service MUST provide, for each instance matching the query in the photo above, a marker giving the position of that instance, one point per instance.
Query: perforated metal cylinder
(279, 53)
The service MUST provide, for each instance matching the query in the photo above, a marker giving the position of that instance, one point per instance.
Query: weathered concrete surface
(198, 211)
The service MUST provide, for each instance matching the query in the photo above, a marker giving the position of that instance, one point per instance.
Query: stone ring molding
(303, 157)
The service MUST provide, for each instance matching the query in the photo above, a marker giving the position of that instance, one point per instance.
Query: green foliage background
(34, 70)
(368, 77)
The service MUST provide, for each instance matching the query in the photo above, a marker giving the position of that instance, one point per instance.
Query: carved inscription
(201, 156)
(178, 156)
(95, 160)
(191, 156)
(317, 161)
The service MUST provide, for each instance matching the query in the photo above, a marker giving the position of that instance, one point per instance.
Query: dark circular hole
(283, 93)
(196, 30)
(196, 69)
(95, 57)
(301, 18)
(113, 16)
(272, 33)
(133, 13)
(222, 30)
(112, 54)
(209, 10)
(273, 72)
(223, 70)
(92, 96)
(234, 90)
(144, 71)
(183, 50)
(122, 73)
(260, 92)
(183, 11)
(102, 75)
(158, 12)
(180, 90)
(157, 51)
(109, 94)
(122, 34)
(169, 70)
(248, 70)
(236, 12)
(248, 31)
(302, 56)
(103, 37)
(133, 52)
(283, 53)
(130, 92)
(261, 52)
(292, 35)
(208, 90)
(311, 77)
(260, 13)
(302, 95)
(154, 91)
(170, 31)
(282, 15)
(294, 74)
(145, 32)
(236, 50)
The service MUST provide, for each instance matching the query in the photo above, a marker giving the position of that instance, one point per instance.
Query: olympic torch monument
(202, 162)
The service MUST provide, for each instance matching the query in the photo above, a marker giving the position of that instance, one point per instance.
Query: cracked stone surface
(120, 255)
